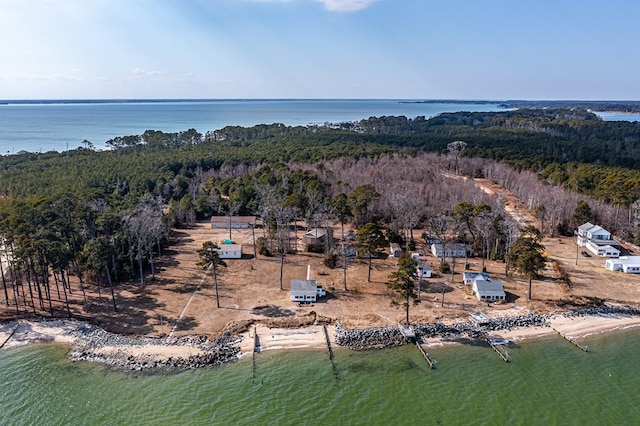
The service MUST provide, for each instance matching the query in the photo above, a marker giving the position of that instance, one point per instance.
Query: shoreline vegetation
(94, 344)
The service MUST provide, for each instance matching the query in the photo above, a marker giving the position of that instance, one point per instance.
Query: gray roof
(586, 226)
(315, 233)
(488, 287)
(230, 247)
(304, 286)
(475, 275)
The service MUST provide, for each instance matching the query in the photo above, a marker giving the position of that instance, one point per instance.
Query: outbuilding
(230, 251)
(626, 264)
(423, 270)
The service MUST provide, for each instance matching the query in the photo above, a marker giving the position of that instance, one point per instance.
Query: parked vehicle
(585, 254)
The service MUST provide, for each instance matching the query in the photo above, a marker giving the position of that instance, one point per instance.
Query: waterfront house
(597, 240)
(304, 291)
(468, 277)
(487, 289)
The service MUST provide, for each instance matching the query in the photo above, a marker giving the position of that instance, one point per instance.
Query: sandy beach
(144, 350)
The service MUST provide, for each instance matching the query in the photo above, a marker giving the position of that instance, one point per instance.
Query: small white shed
(230, 251)
(423, 270)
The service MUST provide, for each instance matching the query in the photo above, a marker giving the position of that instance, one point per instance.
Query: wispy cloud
(143, 72)
(346, 5)
(330, 5)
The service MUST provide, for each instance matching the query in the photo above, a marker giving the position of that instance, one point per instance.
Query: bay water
(548, 381)
(41, 126)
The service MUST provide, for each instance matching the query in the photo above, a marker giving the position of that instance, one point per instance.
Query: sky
(309, 49)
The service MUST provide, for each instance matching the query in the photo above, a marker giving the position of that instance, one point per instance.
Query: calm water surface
(548, 381)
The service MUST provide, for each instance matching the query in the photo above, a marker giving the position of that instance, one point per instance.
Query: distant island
(613, 106)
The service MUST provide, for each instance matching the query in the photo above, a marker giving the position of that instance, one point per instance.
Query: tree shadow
(134, 312)
(511, 297)
(186, 323)
(272, 311)
(437, 287)
(183, 288)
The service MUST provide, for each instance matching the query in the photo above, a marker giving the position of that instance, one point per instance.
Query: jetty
(570, 340)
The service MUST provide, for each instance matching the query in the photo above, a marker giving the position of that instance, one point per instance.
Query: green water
(548, 382)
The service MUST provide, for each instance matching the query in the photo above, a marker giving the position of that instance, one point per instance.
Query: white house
(604, 251)
(230, 251)
(451, 250)
(487, 289)
(304, 291)
(597, 240)
(626, 264)
(395, 250)
(469, 277)
(423, 270)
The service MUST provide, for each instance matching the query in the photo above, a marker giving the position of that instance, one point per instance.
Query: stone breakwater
(374, 338)
(97, 345)
(369, 338)
(604, 310)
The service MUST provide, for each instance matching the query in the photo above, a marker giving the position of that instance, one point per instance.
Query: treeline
(99, 241)
(166, 169)
(618, 106)
(559, 142)
(527, 139)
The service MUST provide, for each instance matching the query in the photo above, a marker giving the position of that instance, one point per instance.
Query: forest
(105, 216)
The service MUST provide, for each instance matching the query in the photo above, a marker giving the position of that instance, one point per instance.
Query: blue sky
(411, 49)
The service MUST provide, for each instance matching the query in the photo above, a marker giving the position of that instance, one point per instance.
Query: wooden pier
(424, 353)
(570, 340)
(10, 335)
(330, 351)
(502, 354)
(256, 348)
